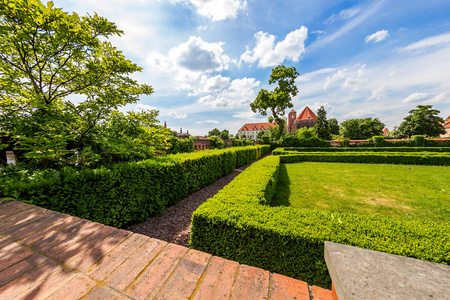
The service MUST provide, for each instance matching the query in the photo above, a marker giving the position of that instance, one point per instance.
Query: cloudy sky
(207, 59)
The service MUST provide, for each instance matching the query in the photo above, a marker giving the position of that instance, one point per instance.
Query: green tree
(132, 136)
(279, 99)
(277, 132)
(224, 134)
(260, 134)
(334, 126)
(322, 127)
(243, 136)
(361, 128)
(422, 121)
(46, 55)
(216, 142)
(214, 132)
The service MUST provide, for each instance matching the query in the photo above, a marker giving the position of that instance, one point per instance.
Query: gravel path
(174, 224)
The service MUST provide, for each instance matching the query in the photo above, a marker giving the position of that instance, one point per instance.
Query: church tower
(291, 119)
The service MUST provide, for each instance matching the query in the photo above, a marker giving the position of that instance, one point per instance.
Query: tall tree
(46, 55)
(214, 132)
(279, 99)
(334, 126)
(422, 121)
(224, 134)
(361, 128)
(322, 127)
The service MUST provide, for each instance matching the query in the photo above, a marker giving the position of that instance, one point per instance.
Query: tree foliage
(361, 128)
(279, 99)
(334, 126)
(47, 55)
(422, 121)
(214, 132)
(322, 127)
(224, 134)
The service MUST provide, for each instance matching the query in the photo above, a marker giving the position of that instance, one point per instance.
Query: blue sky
(207, 59)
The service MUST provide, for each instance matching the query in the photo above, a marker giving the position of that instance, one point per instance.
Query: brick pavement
(49, 255)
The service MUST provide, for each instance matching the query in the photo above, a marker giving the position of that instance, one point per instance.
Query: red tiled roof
(385, 131)
(306, 114)
(447, 125)
(257, 126)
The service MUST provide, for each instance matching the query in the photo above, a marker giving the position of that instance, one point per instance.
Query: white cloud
(143, 107)
(269, 54)
(415, 97)
(191, 59)
(178, 116)
(436, 99)
(428, 42)
(208, 122)
(217, 10)
(350, 25)
(247, 115)
(213, 84)
(377, 36)
(239, 94)
(377, 94)
(343, 15)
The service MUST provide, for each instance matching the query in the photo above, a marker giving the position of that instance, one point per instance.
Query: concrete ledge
(366, 274)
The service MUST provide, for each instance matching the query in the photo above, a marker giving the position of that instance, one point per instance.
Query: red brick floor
(49, 255)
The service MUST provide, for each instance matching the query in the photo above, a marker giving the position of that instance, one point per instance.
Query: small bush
(216, 142)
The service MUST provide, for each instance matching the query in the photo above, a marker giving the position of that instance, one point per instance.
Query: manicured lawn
(372, 189)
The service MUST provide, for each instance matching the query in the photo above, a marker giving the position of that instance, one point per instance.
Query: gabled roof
(306, 114)
(256, 126)
(447, 125)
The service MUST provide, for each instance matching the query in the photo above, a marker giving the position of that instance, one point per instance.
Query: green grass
(372, 189)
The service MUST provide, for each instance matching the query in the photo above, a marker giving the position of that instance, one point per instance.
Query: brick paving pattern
(49, 255)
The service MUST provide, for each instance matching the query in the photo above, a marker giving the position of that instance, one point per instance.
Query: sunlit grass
(371, 189)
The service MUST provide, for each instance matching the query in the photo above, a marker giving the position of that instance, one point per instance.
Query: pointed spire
(165, 124)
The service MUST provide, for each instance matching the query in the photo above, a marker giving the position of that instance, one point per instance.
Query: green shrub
(239, 224)
(238, 143)
(290, 150)
(126, 193)
(299, 141)
(410, 158)
(216, 142)
(178, 145)
(378, 141)
(418, 140)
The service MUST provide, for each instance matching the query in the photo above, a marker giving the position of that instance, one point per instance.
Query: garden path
(174, 224)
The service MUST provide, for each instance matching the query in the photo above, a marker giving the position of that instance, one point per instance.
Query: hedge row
(126, 193)
(412, 158)
(238, 224)
(280, 151)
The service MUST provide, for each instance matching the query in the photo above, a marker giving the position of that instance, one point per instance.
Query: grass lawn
(372, 189)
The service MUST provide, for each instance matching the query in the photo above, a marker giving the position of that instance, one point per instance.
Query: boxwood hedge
(239, 224)
(126, 193)
(413, 158)
(281, 151)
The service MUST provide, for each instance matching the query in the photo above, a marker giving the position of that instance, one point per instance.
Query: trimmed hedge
(413, 158)
(281, 151)
(238, 224)
(126, 193)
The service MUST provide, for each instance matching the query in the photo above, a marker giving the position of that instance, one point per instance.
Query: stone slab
(366, 274)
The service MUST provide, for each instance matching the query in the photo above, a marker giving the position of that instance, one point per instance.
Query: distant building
(306, 119)
(251, 130)
(447, 128)
(385, 131)
(183, 135)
